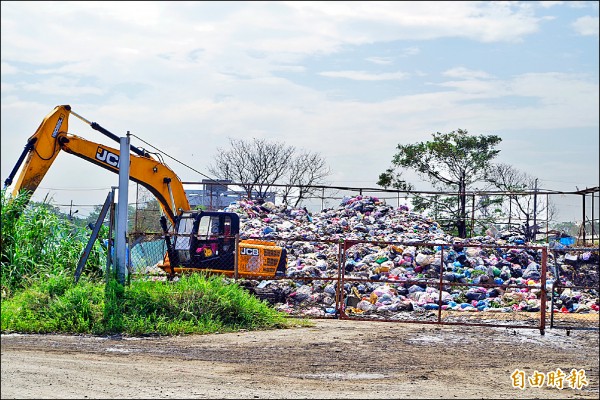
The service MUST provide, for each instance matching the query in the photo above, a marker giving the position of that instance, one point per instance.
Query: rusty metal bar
(554, 285)
(338, 300)
(342, 274)
(441, 286)
(543, 293)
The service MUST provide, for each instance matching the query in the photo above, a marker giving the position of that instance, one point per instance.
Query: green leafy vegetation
(37, 242)
(451, 162)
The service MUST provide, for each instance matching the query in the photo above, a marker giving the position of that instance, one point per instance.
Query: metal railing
(440, 283)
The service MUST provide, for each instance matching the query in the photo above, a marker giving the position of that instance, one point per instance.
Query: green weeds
(194, 304)
(38, 242)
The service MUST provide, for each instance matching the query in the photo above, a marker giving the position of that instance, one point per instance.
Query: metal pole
(534, 233)
(441, 284)
(472, 215)
(236, 257)
(509, 211)
(547, 215)
(135, 216)
(121, 232)
(338, 290)
(99, 221)
(110, 259)
(593, 228)
(543, 299)
(583, 218)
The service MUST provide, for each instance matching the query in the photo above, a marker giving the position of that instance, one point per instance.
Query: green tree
(451, 161)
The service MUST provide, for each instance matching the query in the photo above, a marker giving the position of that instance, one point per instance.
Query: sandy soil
(332, 359)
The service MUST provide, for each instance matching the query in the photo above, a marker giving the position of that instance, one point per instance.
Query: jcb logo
(58, 125)
(245, 251)
(107, 157)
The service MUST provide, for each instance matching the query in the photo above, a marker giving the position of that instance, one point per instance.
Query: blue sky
(350, 80)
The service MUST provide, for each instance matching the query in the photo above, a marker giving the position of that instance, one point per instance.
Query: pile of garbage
(398, 254)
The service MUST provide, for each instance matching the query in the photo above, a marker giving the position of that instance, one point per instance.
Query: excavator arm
(51, 137)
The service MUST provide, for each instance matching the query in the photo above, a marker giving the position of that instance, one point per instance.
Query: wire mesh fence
(444, 283)
(574, 285)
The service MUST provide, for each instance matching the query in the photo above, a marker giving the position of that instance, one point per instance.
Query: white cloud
(380, 60)
(410, 51)
(586, 26)
(480, 21)
(365, 76)
(582, 4)
(472, 86)
(549, 4)
(7, 68)
(461, 72)
(302, 27)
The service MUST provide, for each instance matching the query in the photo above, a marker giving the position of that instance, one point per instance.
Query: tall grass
(194, 304)
(37, 242)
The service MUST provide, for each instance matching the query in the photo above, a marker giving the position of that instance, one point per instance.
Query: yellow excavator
(196, 240)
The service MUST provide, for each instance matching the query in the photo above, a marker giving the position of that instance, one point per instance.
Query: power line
(74, 189)
(176, 160)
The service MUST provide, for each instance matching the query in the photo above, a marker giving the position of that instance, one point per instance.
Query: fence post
(338, 291)
(543, 296)
(88, 248)
(593, 228)
(582, 230)
(472, 214)
(121, 231)
(547, 216)
(441, 287)
(110, 260)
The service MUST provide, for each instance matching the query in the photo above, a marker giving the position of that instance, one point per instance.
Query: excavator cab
(206, 240)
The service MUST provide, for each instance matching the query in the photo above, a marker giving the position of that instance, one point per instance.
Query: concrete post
(121, 231)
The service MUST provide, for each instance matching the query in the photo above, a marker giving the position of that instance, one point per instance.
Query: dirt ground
(332, 359)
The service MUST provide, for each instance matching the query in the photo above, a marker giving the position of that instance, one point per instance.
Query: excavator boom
(51, 137)
(41, 150)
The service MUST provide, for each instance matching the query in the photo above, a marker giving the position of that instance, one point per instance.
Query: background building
(217, 194)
